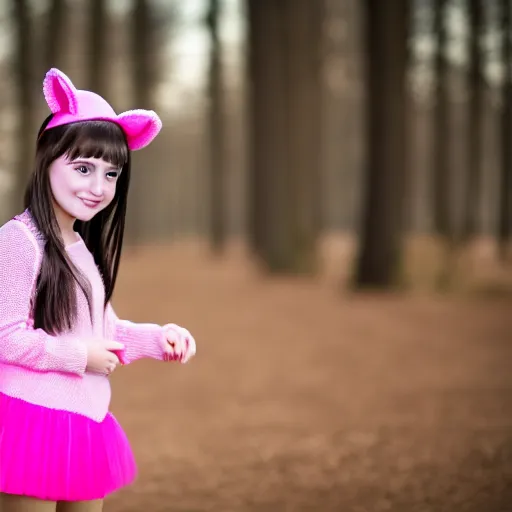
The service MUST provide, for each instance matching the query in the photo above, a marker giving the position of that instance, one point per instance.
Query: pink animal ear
(59, 92)
(140, 127)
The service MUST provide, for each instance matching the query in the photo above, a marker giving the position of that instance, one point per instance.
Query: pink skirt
(61, 456)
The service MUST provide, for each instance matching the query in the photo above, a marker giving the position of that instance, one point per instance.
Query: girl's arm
(20, 343)
(140, 340)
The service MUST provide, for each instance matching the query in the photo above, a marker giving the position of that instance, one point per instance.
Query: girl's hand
(179, 344)
(101, 357)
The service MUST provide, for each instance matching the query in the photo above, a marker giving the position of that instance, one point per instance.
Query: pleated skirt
(59, 455)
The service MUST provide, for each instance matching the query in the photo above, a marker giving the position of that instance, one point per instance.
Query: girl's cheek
(111, 194)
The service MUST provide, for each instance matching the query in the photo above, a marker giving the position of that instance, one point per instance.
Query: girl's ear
(59, 92)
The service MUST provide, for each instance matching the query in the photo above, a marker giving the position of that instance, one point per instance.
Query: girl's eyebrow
(82, 161)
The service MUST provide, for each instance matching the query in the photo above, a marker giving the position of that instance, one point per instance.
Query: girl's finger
(187, 350)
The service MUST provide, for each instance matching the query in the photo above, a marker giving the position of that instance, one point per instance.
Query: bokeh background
(328, 209)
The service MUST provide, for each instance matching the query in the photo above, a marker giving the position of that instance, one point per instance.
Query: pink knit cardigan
(50, 371)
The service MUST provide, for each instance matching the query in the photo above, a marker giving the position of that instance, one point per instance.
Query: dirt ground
(302, 398)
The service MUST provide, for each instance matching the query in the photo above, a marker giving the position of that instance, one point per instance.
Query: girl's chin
(86, 216)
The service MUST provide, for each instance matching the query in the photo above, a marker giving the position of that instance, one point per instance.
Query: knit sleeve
(20, 343)
(141, 340)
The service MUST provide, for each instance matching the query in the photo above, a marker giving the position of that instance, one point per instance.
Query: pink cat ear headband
(70, 105)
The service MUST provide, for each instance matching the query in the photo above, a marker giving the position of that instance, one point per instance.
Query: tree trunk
(97, 54)
(304, 33)
(284, 71)
(216, 134)
(142, 69)
(54, 35)
(505, 201)
(381, 236)
(266, 113)
(22, 66)
(476, 88)
(141, 52)
(441, 172)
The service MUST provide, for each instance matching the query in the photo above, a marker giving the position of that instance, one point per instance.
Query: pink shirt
(50, 370)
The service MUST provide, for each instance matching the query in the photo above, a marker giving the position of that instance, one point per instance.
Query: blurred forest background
(310, 148)
(304, 130)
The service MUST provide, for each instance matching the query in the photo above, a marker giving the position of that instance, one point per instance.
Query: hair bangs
(96, 139)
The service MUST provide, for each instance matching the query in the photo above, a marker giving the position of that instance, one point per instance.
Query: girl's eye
(113, 175)
(82, 169)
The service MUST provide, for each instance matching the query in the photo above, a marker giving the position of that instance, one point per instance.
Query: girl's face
(83, 187)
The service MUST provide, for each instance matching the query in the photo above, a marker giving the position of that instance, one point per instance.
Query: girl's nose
(97, 185)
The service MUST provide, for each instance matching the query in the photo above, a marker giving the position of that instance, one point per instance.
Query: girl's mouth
(89, 203)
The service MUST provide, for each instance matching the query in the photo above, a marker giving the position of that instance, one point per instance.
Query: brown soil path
(300, 399)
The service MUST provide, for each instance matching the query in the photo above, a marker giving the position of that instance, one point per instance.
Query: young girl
(60, 447)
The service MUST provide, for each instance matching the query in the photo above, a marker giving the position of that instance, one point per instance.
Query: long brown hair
(55, 304)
